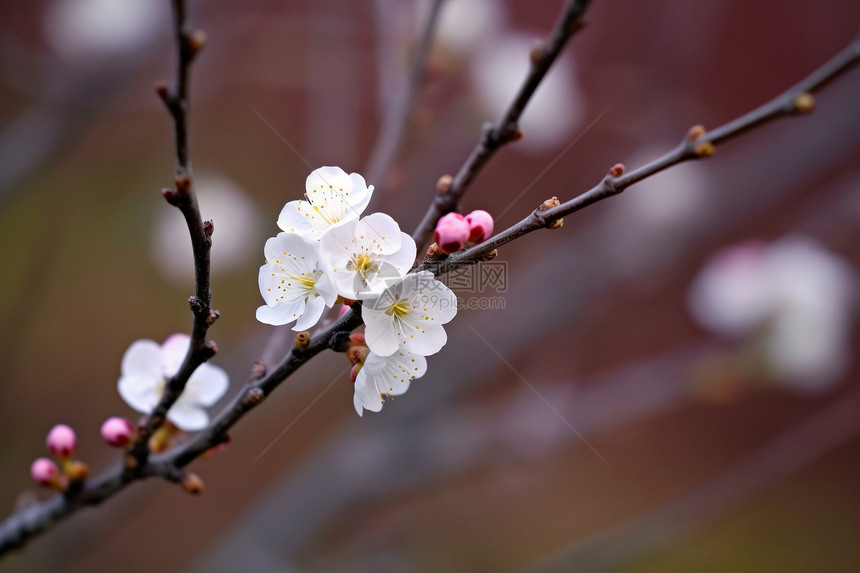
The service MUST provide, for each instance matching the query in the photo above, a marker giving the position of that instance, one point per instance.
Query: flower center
(363, 264)
(399, 308)
(308, 280)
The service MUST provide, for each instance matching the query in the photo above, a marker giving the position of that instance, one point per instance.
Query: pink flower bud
(117, 432)
(452, 232)
(45, 472)
(353, 372)
(480, 226)
(343, 310)
(62, 441)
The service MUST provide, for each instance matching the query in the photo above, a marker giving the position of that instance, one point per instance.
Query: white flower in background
(332, 198)
(556, 109)
(798, 296)
(383, 376)
(236, 239)
(366, 256)
(409, 316)
(94, 33)
(146, 366)
(731, 294)
(293, 283)
(464, 25)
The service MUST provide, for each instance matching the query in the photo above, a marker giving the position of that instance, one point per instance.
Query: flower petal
(207, 384)
(311, 314)
(173, 352)
(188, 418)
(292, 219)
(140, 392)
(281, 313)
(143, 358)
(428, 342)
(381, 334)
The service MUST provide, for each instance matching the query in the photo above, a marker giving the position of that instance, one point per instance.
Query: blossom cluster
(327, 253)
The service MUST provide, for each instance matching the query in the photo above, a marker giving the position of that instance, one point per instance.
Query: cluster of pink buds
(62, 444)
(454, 231)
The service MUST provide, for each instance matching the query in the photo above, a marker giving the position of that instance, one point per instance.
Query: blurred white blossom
(237, 224)
(464, 25)
(146, 367)
(95, 33)
(793, 293)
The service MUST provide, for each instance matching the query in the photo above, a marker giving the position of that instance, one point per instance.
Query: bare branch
(506, 128)
(698, 144)
(176, 98)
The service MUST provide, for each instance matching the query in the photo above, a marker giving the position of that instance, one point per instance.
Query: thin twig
(176, 99)
(697, 145)
(506, 128)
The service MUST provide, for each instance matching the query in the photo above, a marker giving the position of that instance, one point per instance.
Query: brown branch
(34, 519)
(698, 144)
(506, 128)
(188, 44)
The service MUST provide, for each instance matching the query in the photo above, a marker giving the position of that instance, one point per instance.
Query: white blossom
(146, 367)
(409, 316)
(293, 283)
(383, 376)
(332, 198)
(793, 294)
(365, 256)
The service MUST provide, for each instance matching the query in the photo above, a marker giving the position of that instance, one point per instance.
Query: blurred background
(667, 383)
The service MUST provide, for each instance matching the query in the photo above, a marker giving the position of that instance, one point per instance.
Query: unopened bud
(213, 316)
(443, 185)
(434, 252)
(804, 103)
(170, 195)
(695, 132)
(353, 372)
(46, 473)
(517, 135)
(117, 432)
(537, 54)
(490, 256)
(192, 484)
(358, 338)
(183, 184)
(452, 232)
(549, 204)
(705, 149)
(77, 470)
(208, 227)
(480, 226)
(557, 224)
(617, 170)
(357, 354)
(254, 396)
(163, 90)
(197, 40)
(62, 442)
(302, 340)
